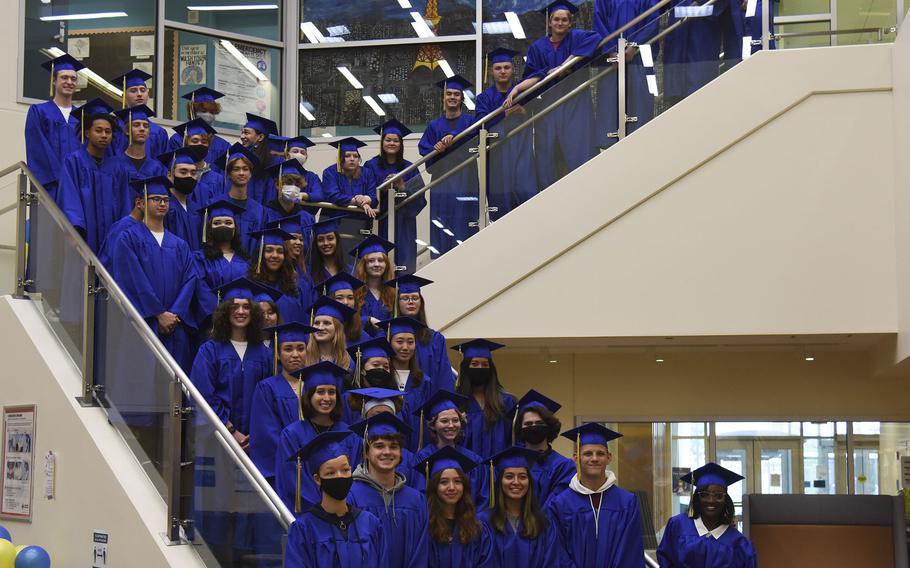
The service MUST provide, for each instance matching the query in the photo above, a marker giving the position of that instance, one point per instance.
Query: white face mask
(291, 193)
(208, 117)
(299, 156)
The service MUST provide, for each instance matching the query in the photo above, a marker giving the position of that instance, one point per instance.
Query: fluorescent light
(350, 77)
(388, 98)
(91, 16)
(233, 8)
(495, 28)
(459, 241)
(438, 224)
(242, 59)
(404, 4)
(306, 112)
(750, 8)
(659, 360)
(311, 32)
(326, 135)
(469, 99)
(93, 77)
(465, 198)
(809, 358)
(515, 24)
(553, 361)
(420, 242)
(374, 105)
(747, 47)
(652, 83)
(446, 68)
(448, 232)
(420, 26)
(433, 249)
(647, 58)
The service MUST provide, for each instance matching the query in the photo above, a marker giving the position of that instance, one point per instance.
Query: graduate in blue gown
(135, 93)
(512, 178)
(326, 254)
(457, 537)
(254, 136)
(382, 490)
(155, 271)
(271, 265)
(135, 161)
(238, 166)
(276, 400)
(117, 229)
(372, 368)
(333, 534)
(341, 288)
(598, 523)
(566, 134)
(706, 535)
(373, 266)
(210, 181)
(609, 16)
(228, 367)
(310, 187)
(389, 162)
(692, 50)
(183, 217)
(536, 426)
(295, 248)
(93, 192)
(432, 353)
(489, 428)
(290, 179)
(321, 406)
(453, 203)
(347, 184)
(222, 258)
(522, 534)
(51, 127)
(202, 104)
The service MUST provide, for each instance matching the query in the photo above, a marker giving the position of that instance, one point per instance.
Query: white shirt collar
(703, 530)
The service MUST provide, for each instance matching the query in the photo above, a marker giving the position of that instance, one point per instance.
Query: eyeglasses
(410, 299)
(159, 199)
(711, 496)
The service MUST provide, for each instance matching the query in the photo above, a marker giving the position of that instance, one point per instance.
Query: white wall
(99, 482)
(775, 217)
(901, 102)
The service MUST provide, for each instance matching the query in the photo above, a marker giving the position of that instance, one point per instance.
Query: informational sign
(18, 461)
(192, 64)
(99, 549)
(905, 472)
(50, 472)
(243, 91)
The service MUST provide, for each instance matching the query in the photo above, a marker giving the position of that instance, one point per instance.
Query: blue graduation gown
(512, 549)
(150, 167)
(433, 358)
(511, 178)
(316, 543)
(156, 144)
(93, 197)
(105, 255)
(476, 554)
(49, 139)
(213, 274)
(217, 148)
(552, 473)
(609, 16)
(416, 396)
(570, 126)
(252, 219)
(403, 519)
(611, 539)
(210, 184)
(158, 279)
(185, 223)
(313, 188)
(445, 206)
(405, 217)
(275, 407)
(692, 52)
(373, 308)
(273, 212)
(291, 439)
(227, 382)
(681, 547)
(488, 441)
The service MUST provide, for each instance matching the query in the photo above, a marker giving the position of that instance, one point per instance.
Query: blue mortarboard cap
(408, 284)
(456, 82)
(478, 348)
(591, 433)
(264, 292)
(712, 474)
(324, 447)
(186, 155)
(392, 126)
(323, 373)
(65, 62)
(221, 207)
(195, 127)
(377, 393)
(261, 124)
(371, 244)
(403, 324)
(374, 347)
(533, 398)
(326, 226)
(237, 289)
(559, 5)
(155, 185)
(445, 457)
(203, 95)
(236, 151)
(94, 106)
(382, 424)
(341, 281)
(501, 55)
(290, 167)
(290, 224)
(283, 144)
(291, 332)
(349, 144)
(325, 306)
(132, 78)
(441, 400)
(516, 456)
(272, 236)
(138, 112)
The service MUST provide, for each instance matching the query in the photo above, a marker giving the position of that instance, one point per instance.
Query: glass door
(769, 466)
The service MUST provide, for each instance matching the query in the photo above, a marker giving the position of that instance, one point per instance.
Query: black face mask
(479, 376)
(337, 487)
(380, 378)
(534, 434)
(222, 234)
(184, 185)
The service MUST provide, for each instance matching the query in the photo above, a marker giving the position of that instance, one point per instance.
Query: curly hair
(554, 426)
(221, 322)
(213, 107)
(291, 179)
(533, 521)
(284, 279)
(728, 515)
(309, 411)
(465, 513)
(494, 408)
(386, 295)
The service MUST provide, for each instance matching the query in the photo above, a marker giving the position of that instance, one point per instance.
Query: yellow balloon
(20, 547)
(7, 554)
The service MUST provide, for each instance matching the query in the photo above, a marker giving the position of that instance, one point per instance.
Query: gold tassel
(145, 190)
(129, 128)
(514, 421)
(492, 486)
(427, 469)
(52, 80)
(261, 250)
(297, 497)
(578, 456)
(275, 348)
(340, 157)
(205, 221)
(397, 298)
(358, 367)
(123, 96)
(420, 432)
(486, 68)
(82, 124)
(299, 398)
(192, 106)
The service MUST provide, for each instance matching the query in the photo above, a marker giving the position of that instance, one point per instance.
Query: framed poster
(17, 481)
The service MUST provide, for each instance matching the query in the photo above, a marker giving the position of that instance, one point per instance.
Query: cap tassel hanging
(690, 512)
(205, 222)
(420, 431)
(82, 125)
(492, 486)
(261, 252)
(338, 160)
(145, 191)
(297, 496)
(427, 471)
(397, 301)
(514, 421)
(578, 456)
(486, 68)
(129, 129)
(358, 367)
(123, 95)
(52, 79)
(192, 106)
(275, 349)
(299, 398)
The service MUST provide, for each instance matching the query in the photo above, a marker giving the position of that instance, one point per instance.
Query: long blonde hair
(340, 354)
(386, 295)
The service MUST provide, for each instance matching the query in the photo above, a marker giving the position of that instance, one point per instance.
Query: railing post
(766, 24)
(25, 199)
(88, 337)
(172, 470)
(482, 213)
(390, 223)
(621, 45)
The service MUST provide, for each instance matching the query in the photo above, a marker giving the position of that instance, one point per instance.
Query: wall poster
(18, 461)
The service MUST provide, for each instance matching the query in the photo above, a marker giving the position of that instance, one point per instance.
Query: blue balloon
(4, 534)
(33, 557)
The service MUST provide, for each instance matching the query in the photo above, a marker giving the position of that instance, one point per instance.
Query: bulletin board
(111, 52)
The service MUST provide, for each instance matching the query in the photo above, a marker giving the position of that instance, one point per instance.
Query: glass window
(327, 21)
(249, 76)
(349, 91)
(259, 18)
(107, 46)
(877, 451)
